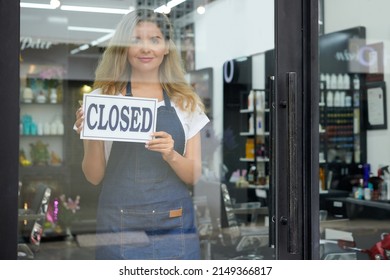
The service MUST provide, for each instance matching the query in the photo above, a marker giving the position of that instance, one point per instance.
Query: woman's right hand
(78, 125)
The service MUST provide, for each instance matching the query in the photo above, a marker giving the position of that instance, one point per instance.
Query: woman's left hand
(163, 143)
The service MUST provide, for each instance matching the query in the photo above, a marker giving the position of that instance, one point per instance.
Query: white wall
(374, 15)
(231, 29)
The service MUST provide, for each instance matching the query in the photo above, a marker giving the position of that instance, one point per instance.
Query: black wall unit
(237, 80)
(343, 141)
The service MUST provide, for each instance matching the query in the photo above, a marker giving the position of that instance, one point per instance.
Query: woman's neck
(149, 89)
(142, 78)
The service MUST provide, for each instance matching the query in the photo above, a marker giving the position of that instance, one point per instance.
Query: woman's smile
(145, 59)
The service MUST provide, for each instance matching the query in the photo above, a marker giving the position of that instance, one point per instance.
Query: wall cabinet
(342, 132)
(42, 156)
(255, 130)
(41, 125)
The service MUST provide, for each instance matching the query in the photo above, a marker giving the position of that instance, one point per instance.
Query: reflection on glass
(357, 211)
(202, 40)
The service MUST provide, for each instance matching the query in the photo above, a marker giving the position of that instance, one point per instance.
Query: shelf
(258, 159)
(40, 104)
(48, 170)
(42, 136)
(252, 134)
(252, 186)
(248, 111)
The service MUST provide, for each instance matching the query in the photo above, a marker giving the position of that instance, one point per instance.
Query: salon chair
(204, 225)
(207, 203)
(246, 240)
(333, 243)
(33, 218)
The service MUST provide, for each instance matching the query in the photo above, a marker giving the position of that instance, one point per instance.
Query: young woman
(145, 210)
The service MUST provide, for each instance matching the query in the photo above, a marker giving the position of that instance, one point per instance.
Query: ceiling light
(74, 51)
(166, 9)
(36, 6)
(81, 48)
(201, 10)
(174, 3)
(55, 3)
(57, 20)
(86, 88)
(102, 39)
(84, 47)
(90, 29)
(96, 9)
(92, 44)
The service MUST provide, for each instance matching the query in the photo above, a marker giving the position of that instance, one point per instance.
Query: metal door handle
(292, 222)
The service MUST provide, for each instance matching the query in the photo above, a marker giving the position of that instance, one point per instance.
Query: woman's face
(147, 49)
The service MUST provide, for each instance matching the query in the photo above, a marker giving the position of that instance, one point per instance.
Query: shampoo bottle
(385, 189)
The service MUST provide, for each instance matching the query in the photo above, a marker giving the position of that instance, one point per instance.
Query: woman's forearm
(188, 170)
(94, 162)
(189, 166)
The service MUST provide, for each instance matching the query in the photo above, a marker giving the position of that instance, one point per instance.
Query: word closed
(118, 118)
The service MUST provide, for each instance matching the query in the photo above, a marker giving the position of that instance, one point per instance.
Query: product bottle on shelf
(251, 100)
(356, 82)
(337, 99)
(385, 192)
(347, 81)
(340, 81)
(259, 124)
(386, 188)
(252, 174)
(327, 80)
(322, 179)
(322, 81)
(250, 148)
(329, 99)
(359, 193)
(333, 81)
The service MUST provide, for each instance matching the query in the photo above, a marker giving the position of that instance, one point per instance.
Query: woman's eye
(155, 40)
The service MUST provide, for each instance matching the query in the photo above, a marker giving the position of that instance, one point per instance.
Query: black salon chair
(246, 240)
(33, 219)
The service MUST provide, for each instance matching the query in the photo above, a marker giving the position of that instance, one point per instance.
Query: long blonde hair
(114, 70)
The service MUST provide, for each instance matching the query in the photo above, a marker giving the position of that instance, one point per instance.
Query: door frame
(9, 114)
(296, 217)
(296, 32)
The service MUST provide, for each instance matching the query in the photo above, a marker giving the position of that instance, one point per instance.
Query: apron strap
(128, 89)
(167, 101)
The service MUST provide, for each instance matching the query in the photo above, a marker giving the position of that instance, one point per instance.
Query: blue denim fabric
(140, 198)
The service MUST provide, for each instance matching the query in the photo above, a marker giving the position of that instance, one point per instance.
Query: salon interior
(227, 48)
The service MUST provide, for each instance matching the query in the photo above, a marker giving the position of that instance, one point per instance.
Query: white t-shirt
(192, 122)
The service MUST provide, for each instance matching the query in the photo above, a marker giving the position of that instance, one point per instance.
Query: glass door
(60, 48)
(254, 199)
(354, 177)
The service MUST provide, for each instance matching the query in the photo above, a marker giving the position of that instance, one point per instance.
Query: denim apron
(145, 211)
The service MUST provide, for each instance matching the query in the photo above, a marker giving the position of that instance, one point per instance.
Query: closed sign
(118, 118)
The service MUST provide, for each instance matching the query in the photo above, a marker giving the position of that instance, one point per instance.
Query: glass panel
(226, 56)
(354, 155)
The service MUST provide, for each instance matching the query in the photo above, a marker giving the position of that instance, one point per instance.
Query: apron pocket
(163, 229)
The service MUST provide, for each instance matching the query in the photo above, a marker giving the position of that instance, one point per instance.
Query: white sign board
(118, 118)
